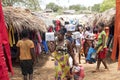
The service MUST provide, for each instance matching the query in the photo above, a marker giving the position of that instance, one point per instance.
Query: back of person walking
(26, 55)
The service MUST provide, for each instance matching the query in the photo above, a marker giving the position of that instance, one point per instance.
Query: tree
(53, 6)
(96, 8)
(83, 7)
(30, 4)
(75, 7)
(107, 4)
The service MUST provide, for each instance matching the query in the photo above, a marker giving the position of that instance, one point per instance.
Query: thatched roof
(106, 17)
(22, 18)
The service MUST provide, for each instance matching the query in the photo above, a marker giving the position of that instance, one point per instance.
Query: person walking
(26, 55)
(101, 47)
(61, 54)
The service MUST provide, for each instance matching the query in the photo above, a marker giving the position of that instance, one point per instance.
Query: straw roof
(20, 19)
(106, 17)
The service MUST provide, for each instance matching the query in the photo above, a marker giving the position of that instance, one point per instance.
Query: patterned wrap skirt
(62, 68)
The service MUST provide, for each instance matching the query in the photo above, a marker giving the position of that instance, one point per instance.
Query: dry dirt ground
(44, 70)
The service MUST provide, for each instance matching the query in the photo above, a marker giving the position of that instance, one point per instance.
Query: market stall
(18, 19)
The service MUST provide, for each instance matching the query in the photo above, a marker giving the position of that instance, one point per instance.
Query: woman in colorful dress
(61, 54)
(101, 47)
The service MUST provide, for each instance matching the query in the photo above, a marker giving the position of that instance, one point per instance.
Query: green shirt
(100, 40)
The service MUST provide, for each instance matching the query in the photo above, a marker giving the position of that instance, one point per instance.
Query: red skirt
(102, 54)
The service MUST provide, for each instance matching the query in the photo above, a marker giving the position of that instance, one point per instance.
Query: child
(26, 51)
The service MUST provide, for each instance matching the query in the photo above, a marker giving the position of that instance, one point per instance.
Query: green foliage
(75, 7)
(30, 4)
(83, 8)
(107, 4)
(60, 11)
(96, 8)
(54, 7)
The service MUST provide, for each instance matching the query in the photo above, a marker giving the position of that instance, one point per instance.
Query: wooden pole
(116, 33)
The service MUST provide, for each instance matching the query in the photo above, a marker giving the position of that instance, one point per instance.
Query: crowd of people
(69, 46)
(67, 49)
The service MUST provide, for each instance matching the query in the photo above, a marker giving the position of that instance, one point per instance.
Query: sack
(82, 74)
(78, 72)
(93, 56)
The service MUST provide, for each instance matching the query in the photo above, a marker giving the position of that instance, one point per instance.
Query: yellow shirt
(25, 46)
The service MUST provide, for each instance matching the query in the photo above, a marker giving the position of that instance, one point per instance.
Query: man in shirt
(26, 55)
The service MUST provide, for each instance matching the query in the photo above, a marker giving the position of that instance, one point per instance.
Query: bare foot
(95, 71)
(106, 69)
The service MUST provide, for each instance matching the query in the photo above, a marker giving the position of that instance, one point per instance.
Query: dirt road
(45, 71)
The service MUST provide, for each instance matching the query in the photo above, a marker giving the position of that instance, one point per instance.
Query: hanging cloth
(39, 37)
(11, 36)
(5, 62)
(38, 49)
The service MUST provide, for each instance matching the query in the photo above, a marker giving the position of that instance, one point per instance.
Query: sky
(66, 3)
